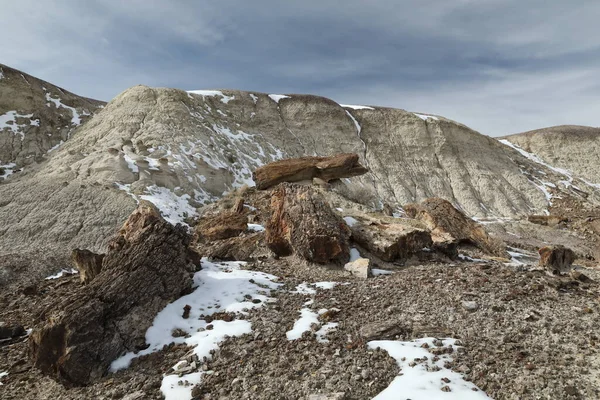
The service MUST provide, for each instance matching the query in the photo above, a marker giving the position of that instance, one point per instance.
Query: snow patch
(75, 120)
(350, 221)
(2, 375)
(355, 107)
(220, 287)
(277, 97)
(62, 273)
(354, 254)
(426, 117)
(224, 98)
(377, 272)
(8, 170)
(254, 98)
(422, 381)
(256, 228)
(175, 209)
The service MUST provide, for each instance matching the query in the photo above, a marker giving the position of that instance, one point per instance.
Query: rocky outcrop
(308, 168)
(571, 147)
(148, 265)
(36, 116)
(556, 259)
(450, 227)
(87, 263)
(302, 222)
(187, 149)
(390, 241)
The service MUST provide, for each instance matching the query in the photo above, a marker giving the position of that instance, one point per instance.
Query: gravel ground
(525, 335)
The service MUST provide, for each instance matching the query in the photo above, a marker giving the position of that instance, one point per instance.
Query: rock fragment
(450, 227)
(87, 263)
(556, 259)
(390, 241)
(308, 168)
(360, 268)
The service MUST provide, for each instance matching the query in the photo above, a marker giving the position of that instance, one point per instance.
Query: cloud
(499, 66)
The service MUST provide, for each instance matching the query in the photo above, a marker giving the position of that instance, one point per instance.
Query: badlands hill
(572, 147)
(347, 289)
(182, 150)
(35, 117)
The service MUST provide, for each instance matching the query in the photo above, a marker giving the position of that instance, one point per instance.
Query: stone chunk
(87, 263)
(390, 241)
(302, 222)
(343, 165)
(556, 259)
(450, 227)
(360, 267)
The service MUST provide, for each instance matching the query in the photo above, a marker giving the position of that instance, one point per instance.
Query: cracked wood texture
(302, 222)
(147, 266)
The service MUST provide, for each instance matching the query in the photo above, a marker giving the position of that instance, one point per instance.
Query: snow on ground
(309, 317)
(131, 163)
(354, 254)
(76, 119)
(538, 160)
(62, 273)
(377, 272)
(303, 324)
(8, 120)
(326, 285)
(175, 209)
(464, 257)
(422, 381)
(51, 149)
(355, 107)
(277, 97)
(256, 228)
(520, 257)
(350, 221)
(426, 117)
(8, 170)
(254, 98)
(220, 287)
(224, 98)
(2, 375)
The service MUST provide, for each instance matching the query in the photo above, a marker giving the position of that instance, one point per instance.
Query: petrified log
(450, 227)
(548, 220)
(339, 166)
(148, 265)
(390, 241)
(246, 247)
(87, 263)
(224, 225)
(556, 259)
(302, 222)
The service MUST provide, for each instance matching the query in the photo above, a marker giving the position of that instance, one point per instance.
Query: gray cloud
(499, 66)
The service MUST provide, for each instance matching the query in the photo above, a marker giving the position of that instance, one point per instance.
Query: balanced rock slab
(556, 259)
(302, 222)
(450, 227)
(343, 165)
(147, 266)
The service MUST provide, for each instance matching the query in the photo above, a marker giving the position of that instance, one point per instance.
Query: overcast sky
(498, 66)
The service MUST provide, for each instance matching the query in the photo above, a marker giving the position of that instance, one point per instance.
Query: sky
(498, 66)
